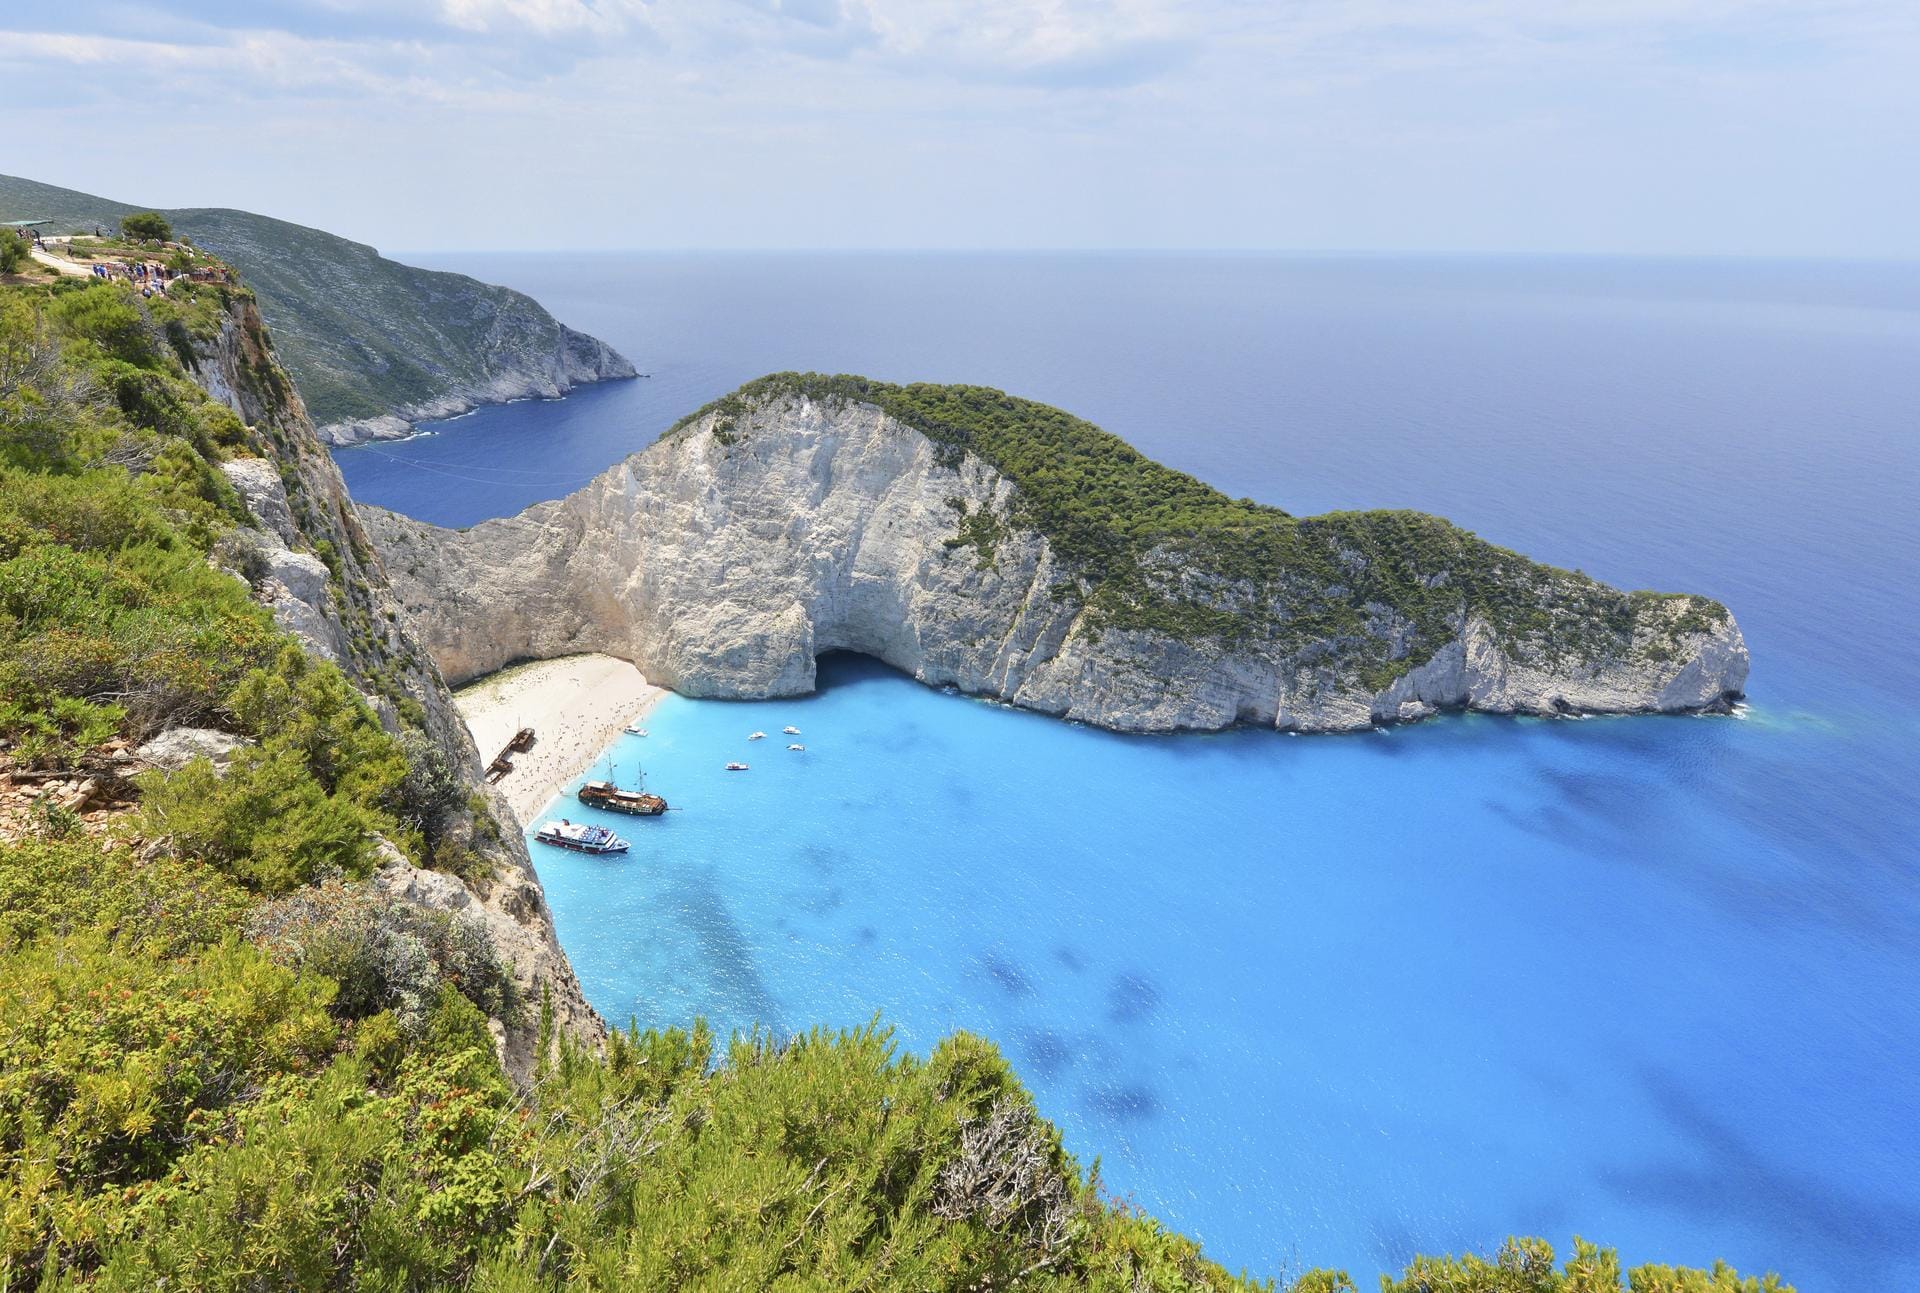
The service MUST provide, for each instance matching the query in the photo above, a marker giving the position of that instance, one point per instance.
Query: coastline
(577, 706)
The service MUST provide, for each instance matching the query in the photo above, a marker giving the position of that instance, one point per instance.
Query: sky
(1729, 127)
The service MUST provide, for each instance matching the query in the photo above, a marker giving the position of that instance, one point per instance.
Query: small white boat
(634, 729)
(736, 767)
(790, 730)
(796, 746)
(757, 736)
(580, 837)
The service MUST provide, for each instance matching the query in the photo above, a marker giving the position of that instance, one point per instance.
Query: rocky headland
(374, 345)
(1013, 551)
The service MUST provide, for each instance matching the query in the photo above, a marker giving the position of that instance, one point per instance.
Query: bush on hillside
(146, 226)
(386, 955)
(267, 822)
(115, 1061)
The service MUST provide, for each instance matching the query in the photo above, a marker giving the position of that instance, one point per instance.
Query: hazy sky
(1734, 126)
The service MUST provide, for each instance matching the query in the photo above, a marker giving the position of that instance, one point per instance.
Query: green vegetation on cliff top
(1155, 549)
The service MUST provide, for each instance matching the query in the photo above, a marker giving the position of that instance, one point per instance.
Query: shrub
(433, 794)
(113, 1061)
(13, 252)
(108, 316)
(386, 954)
(54, 733)
(267, 822)
(336, 1182)
(167, 907)
(146, 226)
(307, 705)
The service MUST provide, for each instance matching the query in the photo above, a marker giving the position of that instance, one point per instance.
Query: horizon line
(1330, 253)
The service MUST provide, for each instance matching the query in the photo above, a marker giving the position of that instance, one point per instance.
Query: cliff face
(374, 345)
(314, 566)
(725, 558)
(533, 359)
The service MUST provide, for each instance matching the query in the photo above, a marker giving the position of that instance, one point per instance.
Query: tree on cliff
(147, 226)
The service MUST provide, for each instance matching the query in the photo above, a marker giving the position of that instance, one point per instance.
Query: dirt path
(61, 266)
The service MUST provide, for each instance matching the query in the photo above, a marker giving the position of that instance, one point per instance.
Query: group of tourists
(150, 278)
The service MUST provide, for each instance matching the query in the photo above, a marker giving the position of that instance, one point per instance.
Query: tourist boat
(757, 736)
(796, 746)
(580, 837)
(634, 803)
(791, 730)
(736, 767)
(634, 729)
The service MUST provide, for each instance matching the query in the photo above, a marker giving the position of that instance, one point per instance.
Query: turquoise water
(1332, 1000)
(1316, 1000)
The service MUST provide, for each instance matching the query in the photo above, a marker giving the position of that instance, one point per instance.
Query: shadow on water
(739, 990)
(1044, 1051)
(1131, 998)
(1124, 1102)
(1006, 975)
(1728, 1178)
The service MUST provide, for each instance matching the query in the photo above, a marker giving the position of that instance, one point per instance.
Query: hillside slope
(1014, 551)
(373, 345)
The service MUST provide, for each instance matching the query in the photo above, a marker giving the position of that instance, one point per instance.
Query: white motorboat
(580, 837)
(791, 730)
(736, 767)
(796, 746)
(757, 736)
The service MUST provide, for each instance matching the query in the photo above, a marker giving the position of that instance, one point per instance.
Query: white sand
(576, 706)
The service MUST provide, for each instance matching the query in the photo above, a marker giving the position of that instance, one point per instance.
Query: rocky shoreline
(582, 360)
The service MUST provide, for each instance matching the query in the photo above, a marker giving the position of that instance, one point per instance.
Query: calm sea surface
(1337, 1000)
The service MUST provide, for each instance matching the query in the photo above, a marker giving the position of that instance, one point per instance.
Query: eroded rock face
(725, 558)
(513, 909)
(301, 510)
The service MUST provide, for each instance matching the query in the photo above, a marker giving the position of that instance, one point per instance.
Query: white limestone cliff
(726, 557)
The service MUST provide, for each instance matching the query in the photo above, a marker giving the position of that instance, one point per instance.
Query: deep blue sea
(1337, 1000)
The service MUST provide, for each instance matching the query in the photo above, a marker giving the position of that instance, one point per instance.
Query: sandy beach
(576, 706)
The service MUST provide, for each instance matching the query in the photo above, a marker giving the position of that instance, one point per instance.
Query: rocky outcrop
(562, 360)
(176, 747)
(725, 558)
(308, 558)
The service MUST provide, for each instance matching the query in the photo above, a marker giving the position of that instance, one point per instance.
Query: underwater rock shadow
(1006, 974)
(1728, 1177)
(1122, 1103)
(1131, 998)
(742, 992)
(1044, 1051)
